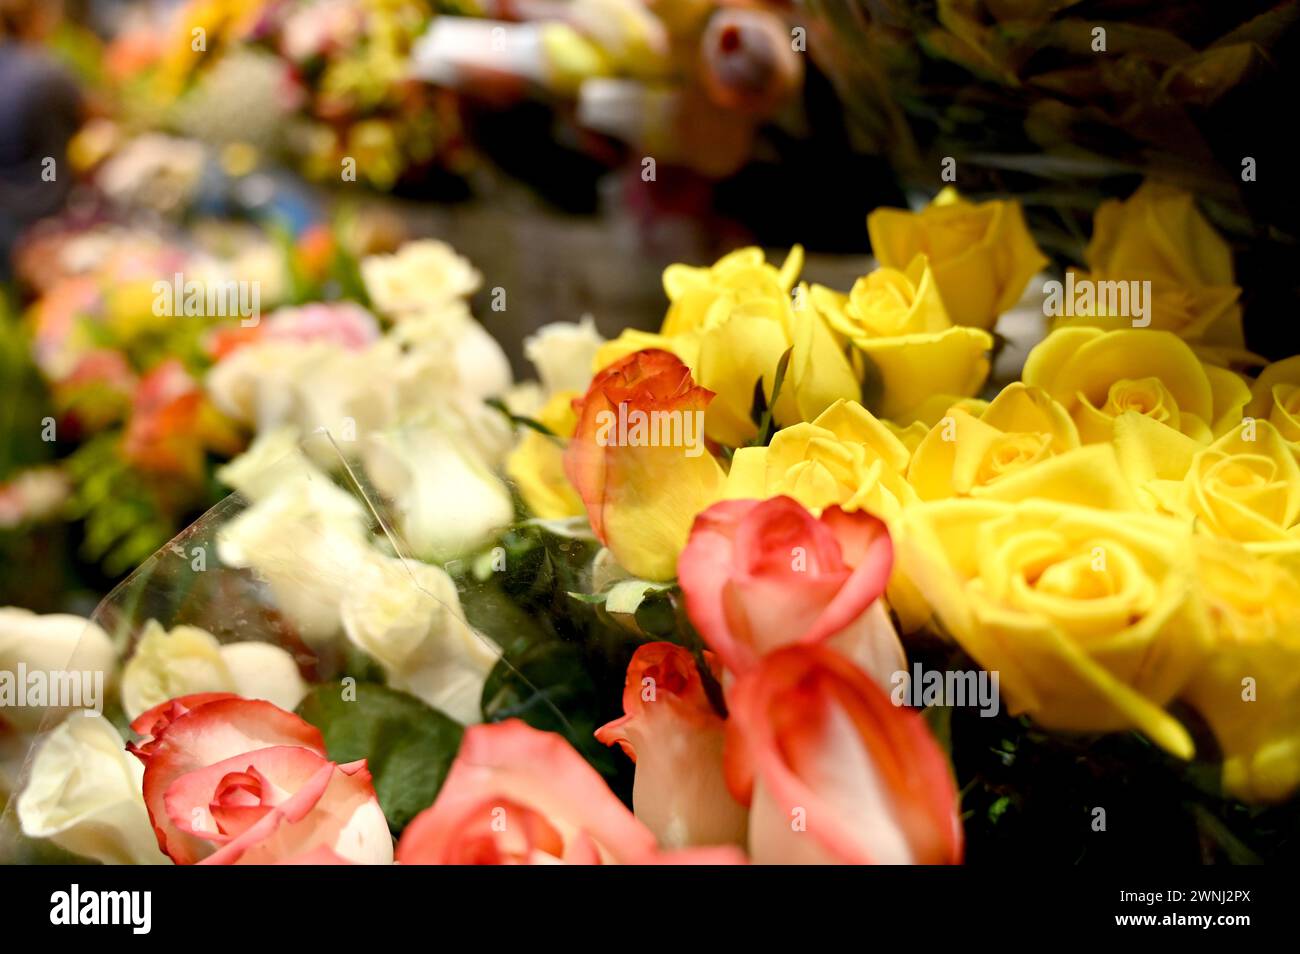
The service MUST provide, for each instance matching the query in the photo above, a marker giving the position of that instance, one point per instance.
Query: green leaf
(408, 746)
(531, 423)
(549, 686)
(626, 596)
(765, 423)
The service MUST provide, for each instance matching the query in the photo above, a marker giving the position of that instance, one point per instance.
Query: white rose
(304, 541)
(471, 361)
(348, 393)
(407, 615)
(417, 275)
(83, 794)
(255, 385)
(447, 499)
(306, 385)
(563, 353)
(186, 660)
(272, 458)
(50, 645)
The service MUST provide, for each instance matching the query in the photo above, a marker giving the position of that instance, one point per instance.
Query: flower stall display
(798, 578)
(689, 84)
(322, 84)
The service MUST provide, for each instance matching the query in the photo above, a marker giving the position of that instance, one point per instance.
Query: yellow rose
(1249, 688)
(632, 340)
(1091, 617)
(846, 457)
(1275, 396)
(1158, 231)
(1098, 375)
(965, 453)
(129, 310)
(1245, 487)
(1207, 318)
(537, 464)
(1159, 235)
(982, 255)
(900, 329)
(730, 324)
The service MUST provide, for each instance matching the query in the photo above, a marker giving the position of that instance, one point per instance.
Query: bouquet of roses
(733, 560)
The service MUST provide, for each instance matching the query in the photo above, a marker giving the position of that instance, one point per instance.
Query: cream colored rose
(304, 542)
(417, 275)
(187, 659)
(444, 338)
(274, 457)
(563, 354)
(407, 615)
(447, 499)
(318, 384)
(52, 644)
(83, 794)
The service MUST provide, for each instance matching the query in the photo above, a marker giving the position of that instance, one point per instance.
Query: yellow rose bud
(1090, 616)
(537, 464)
(1245, 487)
(900, 329)
(1249, 688)
(730, 323)
(1158, 235)
(1099, 375)
(982, 255)
(638, 461)
(1158, 231)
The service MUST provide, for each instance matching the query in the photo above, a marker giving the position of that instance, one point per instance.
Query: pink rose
(517, 795)
(675, 736)
(760, 575)
(833, 772)
(343, 323)
(230, 780)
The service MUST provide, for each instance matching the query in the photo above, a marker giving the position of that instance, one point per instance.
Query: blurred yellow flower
(129, 310)
(1158, 231)
(1090, 616)
(982, 255)
(1249, 687)
(1159, 235)
(900, 329)
(537, 464)
(1275, 397)
(1098, 375)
